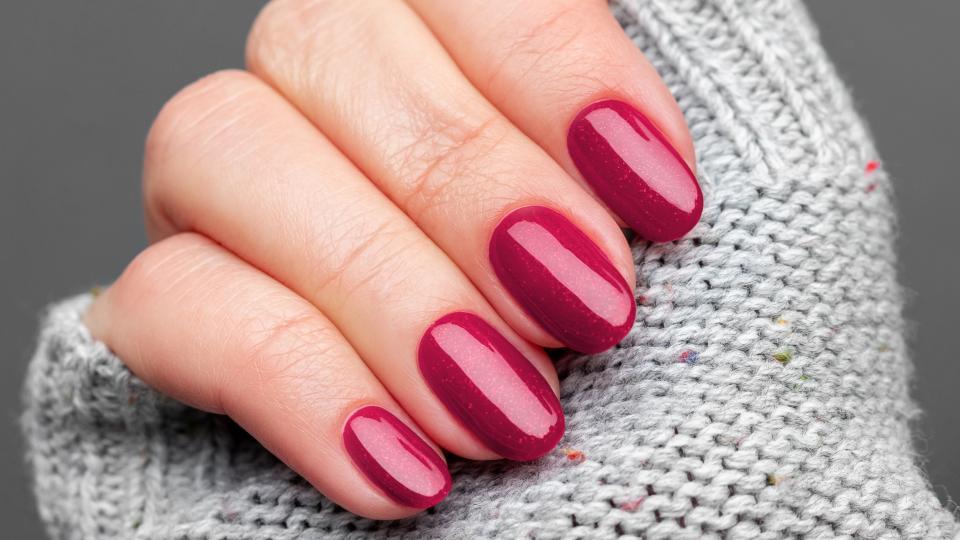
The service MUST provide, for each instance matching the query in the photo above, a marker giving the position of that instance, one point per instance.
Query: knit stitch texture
(763, 391)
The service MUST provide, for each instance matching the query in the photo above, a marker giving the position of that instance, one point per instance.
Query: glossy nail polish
(394, 458)
(493, 390)
(634, 170)
(562, 279)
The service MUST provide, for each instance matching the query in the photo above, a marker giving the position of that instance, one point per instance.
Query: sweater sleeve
(763, 390)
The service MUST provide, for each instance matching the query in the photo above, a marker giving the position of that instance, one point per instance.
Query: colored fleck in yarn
(783, 356)
(689, 357)
(574, 455)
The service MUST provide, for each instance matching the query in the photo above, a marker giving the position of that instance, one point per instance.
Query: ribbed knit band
(761, 393)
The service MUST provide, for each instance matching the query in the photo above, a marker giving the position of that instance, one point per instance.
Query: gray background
(80, 81)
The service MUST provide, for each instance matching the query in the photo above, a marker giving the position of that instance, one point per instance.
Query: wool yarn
(762, 393)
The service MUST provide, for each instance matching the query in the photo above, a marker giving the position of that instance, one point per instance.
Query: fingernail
(394, 458)
(562, 279)
(489, 385)
(634, 170)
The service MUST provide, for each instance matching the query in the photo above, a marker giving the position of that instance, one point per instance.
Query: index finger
(567, 75)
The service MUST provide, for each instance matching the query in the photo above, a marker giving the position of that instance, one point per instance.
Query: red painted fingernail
(394, 458)
(562, 279)
(634, 170)
(490, 387)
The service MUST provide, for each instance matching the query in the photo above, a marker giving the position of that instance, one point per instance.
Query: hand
(359, 245)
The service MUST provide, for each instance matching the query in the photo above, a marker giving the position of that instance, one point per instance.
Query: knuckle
(193, 118)
(187, 110)
(159, 268)
(559, 26)
(288, 33)
(433, 168)
(550, 46)
(358, 251)
(291, 353)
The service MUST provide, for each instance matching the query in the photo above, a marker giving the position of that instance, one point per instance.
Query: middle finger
(374, 79)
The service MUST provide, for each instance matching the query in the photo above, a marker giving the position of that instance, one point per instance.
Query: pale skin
(311, 216)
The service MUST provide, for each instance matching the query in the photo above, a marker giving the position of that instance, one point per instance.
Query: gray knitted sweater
(761, 393)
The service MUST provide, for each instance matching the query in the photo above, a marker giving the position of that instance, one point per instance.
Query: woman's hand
(360, 244)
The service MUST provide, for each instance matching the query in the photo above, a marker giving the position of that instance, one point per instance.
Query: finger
(201, 325)
(230, 158)
(566, 74)
(445, 156)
